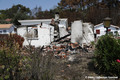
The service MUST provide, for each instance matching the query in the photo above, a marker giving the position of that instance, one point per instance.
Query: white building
(38, 35)
(7, 28)
(100, 30)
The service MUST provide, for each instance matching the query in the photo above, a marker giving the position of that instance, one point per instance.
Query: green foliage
(88, 10)
(16, 66)
(9, 62)
(16, 12)
(10, 59)
(11, 39)
(4, 22)
(92, 43)
(106, 53)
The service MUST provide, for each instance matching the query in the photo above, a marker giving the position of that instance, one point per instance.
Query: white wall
(51, 29)
(76, 31)
(91, 33)
(63, 23)
(62, 31)
(102, 30)
(21, 31)
(45, 35)
(119, 31)
(43, 38)
(81, 32)
(88, 34)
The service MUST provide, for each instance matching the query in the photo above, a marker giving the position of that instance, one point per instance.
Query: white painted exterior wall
(119, 31)
(103, 29)
(42, 40)
(62, 30)
(88, 34)
(76, 31)
(81, 32)
(21, 31)
(7, 30)
(51, 30)
(45, 35)
(63, 22)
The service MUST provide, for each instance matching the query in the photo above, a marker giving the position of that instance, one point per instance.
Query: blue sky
(45, 4)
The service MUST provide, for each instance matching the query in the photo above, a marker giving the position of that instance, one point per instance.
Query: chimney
(56, 16)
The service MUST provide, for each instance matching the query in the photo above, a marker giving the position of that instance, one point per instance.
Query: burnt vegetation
(93, 11)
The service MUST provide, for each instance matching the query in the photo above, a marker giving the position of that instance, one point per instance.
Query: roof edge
(110, 25)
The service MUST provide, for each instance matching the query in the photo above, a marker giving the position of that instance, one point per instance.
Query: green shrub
(107, 51)
(11, 39)
(18, 63)
(9, 63)
(10, 59)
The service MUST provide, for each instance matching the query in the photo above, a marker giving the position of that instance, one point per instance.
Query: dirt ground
(77, 69)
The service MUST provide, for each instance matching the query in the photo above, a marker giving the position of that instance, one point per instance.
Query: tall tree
(15, 12)
(70, 4)
(91, 10)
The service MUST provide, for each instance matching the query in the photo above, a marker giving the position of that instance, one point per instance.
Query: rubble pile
(64, 49)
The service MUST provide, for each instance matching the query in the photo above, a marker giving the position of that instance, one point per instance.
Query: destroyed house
(36, 35)
(42, 32)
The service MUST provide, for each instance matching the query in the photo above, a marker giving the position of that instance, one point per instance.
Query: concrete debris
(64, 49)
(71, 58)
